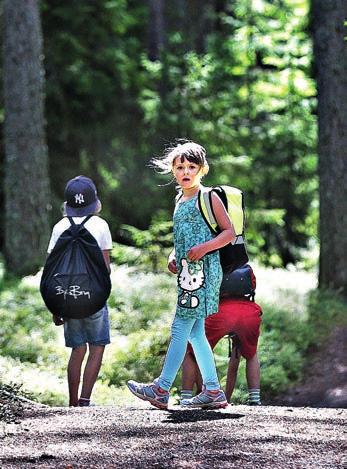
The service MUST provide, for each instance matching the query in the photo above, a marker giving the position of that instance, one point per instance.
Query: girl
(199, 275)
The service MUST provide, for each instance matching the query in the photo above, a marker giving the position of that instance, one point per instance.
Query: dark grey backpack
(239, 283)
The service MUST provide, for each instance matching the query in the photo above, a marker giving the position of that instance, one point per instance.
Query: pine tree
(26, 161)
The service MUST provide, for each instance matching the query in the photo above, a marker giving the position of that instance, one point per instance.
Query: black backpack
(240, 283)
(75, 282)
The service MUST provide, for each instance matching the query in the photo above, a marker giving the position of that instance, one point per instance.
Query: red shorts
(241, 317)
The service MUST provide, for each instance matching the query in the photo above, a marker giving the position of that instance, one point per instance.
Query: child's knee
(79, 350)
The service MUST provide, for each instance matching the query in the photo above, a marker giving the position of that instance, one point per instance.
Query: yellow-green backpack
(233, 255)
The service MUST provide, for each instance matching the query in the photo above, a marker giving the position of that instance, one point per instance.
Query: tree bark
(156, 29)
(26, 160)
(330, 57)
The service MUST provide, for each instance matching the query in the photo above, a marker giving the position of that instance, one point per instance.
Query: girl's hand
(172, 266)
(196, 253)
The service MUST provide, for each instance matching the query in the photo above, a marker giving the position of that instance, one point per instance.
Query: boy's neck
(189, 193)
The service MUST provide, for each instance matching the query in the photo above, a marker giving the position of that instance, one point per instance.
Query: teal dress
(198, 282)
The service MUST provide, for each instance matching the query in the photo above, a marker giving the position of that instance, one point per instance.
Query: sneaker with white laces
(206, 400)
(150, 392)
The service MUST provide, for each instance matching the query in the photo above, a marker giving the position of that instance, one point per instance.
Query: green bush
(325, 309)
(285, 336)
(26, 328)
(140, 357)
(138, 300)
(154, 244)
(128, 255)
(45, 383)
(141, 310)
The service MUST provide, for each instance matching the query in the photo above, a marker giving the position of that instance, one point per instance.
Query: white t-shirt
(97, 226)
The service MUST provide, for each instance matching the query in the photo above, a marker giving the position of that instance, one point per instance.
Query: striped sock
(186, 394)
(254, 397)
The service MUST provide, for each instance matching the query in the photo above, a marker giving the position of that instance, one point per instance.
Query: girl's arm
(171, 262)
(226, 235)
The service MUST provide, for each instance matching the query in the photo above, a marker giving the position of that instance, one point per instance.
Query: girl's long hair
(184, 149)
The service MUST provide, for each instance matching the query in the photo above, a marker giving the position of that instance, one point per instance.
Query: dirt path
(325, 376)
(143, 437)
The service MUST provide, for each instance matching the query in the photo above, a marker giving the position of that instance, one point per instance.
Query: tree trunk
(26, 161)
(331, 69)
(156, 30)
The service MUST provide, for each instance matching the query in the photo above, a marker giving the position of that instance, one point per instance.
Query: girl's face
(187, 174)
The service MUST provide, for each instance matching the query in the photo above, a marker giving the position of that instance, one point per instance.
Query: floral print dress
(198, 282)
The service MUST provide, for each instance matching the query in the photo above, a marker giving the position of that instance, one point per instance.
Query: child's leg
(157, 392)
(74, 373)
(253, 380)
(180, 332)
(233, 367)
(212, 397)
(190, 376)
(253, 372)
(204, 356)
(91, 369)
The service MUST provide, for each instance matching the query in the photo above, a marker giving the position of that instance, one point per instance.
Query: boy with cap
(81, 200)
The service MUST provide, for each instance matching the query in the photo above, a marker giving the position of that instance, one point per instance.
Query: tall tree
(330, 56)
(156, 29)
(26, 161)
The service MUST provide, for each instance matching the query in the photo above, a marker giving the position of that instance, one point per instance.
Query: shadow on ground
(184, 416)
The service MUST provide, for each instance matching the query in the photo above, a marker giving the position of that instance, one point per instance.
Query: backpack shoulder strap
(178, 197)
(233, 199)
(72, 223)
(88, 217)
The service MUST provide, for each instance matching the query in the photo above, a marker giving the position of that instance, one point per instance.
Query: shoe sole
(212, 405)
(153, 402)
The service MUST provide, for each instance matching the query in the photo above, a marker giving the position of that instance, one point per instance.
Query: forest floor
(142, 437)
(139, 436)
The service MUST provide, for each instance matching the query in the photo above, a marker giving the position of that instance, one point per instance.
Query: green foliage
(242, 87)
(287, 337)
(325, 308)
(253, 83)
(141, 310)
(152, 243)
(26, 328)
(122, 254)
(43, 382)
(141, 356)
(140, 300)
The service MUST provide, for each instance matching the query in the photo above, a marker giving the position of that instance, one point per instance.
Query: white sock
(253, 396)
(186, 394)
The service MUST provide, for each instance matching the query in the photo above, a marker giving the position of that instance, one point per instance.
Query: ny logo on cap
(79, 199)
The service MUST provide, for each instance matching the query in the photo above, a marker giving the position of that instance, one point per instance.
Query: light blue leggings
(182, 331)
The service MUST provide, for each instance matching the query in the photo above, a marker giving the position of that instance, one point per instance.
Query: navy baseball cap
(81, 197)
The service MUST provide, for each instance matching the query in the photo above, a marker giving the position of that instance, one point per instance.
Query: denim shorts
(94, 330)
